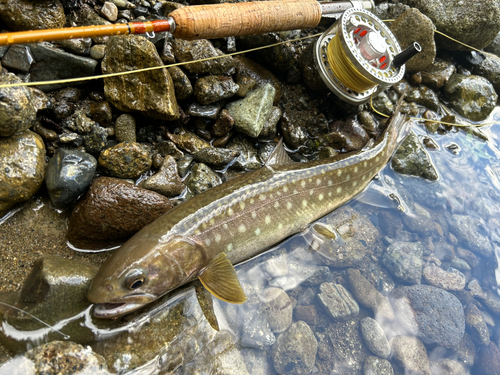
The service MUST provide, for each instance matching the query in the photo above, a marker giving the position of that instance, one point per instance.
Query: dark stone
(18, 58)
(211, 89)
(101, 113)
(96, 140)
(487, 361)
(412, 159)
(22, 15)
(218, 157)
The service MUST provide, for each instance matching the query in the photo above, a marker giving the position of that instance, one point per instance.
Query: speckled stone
(211, 89)
(404, 260)
(202, 178)
(182, 84)
(377, 366)
(448, 280)
(188, 141)
(21, 15)
(411, 354)
(218, 157)
(126, 160)
(125, 128)
(375, 338)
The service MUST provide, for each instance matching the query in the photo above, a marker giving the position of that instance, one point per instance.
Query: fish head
(140, 272)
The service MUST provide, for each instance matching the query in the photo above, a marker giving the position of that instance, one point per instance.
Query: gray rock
(460, 264)
(447, 366)
(413, 26)
(207, 111)
(404, 260)
(182, 84)
(437, 74)
(257, 361)
(374, 337)
(251, 113)
(167, 181)
(202, 178)
(338, 302)
(448, 280)
(96, 140)
(186, 50)
(295, 351)
(448, 17)
(125, 128)
(218, 157)
(210, 89)
(278, 308)
(424, 96)
(473, 233)
(248, 158)
(471, 96)
(69, 173)
(477, 327)
(126, 160)
(109, 11)
(412, 159)
(410, 353)
(79, 46)
(18, 58)
(487, 361)
(53, 63)
(419, 221)
(151, 93)
(387, 11)
(377, 366)
(256, 331)
(430, 313)
(22, 168)
(293, 134)
(276, 265)
(17, 110)
(494, 47)
(383, 104)
(487, 66)
(269, 130)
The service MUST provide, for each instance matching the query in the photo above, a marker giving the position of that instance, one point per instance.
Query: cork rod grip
(221, 20)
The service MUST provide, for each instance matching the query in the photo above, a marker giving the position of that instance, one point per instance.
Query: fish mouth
(115, 310)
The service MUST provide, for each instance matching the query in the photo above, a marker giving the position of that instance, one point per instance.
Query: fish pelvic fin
(221, 280)
(324, 240)
(207, 305)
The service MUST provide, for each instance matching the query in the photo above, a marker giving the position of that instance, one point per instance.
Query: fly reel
(358, 56)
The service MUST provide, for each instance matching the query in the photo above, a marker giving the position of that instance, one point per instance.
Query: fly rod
(208, 21)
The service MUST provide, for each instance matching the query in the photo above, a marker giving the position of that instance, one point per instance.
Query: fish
(204, 237)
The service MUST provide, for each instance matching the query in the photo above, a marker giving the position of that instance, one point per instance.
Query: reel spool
(356, 56)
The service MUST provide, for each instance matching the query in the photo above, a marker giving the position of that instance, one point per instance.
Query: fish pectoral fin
(279, 156)
(221, 280)
(323, 239)
(207, 305)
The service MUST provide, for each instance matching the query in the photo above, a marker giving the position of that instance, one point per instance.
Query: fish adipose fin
(279, 156)
(324, 240)
(221, 280)
(207, 305)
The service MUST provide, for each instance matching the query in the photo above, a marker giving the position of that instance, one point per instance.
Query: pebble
(98, 51)
(276, 265)
(278, 308)
(269, 131)
(18, 58)
(186, 50)
(447, 366)
(167, 181)
(109, 11)
(205, 111)
(223, 124)
(374, 338)
(473, 233)
(184, 165)
(68, 174)
(22, 168)
(112, 211)
(40, 100)
(125, 128)
(168, 148)
(411, 354)
(448, 280)
(476, 324)
(46, 134)
(202, 178)
(338, 302)
(430, 313)
(182, 84)
(306, 313)
(487, 361)
(210, 89)
(256, 331)
(84, 125)
(251, 113)
(126, 160)
(17, 110)
(188, 141)
(248, 159)
(377, 366)
(101, 112)
(217, 157)
(78, 46)
(295, 351)
(404, 260)
(436, 75)
(96, 140)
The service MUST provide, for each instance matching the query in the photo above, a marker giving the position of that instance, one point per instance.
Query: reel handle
(220, 20)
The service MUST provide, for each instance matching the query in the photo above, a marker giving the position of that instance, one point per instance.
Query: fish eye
(135, 280)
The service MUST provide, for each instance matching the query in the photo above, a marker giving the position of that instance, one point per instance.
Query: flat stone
(167, 181)
(487, 361)
(278, 308)
(256, 331)
(182, 84)
(69, 173)
(412, 159)
(218, 157)
(377, 366)
(476, 324)
(151, 93)
(78, 46)
(22, 168)
(448, 280)
(126, 160)
(338, 302)
(374, 337)
(18, 58)
(473, 233)
(188, 141)
(206, 111)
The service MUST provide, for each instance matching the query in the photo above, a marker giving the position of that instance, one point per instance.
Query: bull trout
(205, 236)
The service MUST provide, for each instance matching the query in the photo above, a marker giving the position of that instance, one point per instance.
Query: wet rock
(210, 89)
(78, 46)
(126, 160)
(46, 134)
(387, 11)
(109, 11)
(188, 141)
(366, 120)
(205, 111)
(84, 125)
(424, 96)
(168, 148)
(218, 157)
(22, 168)
(276, 265)
(40, 100)
(420, 220)
(257, 361)
(182, 84)
(167, 181)
(202, 178)
(447, 366)
(410, 353)
(224, 124)
(125, 128)
(471, 96)
(18, 58)
(374, 337)
(472, 232)
(412, 159)
(251, 113)
(65, 358)
(96, 140)
(306, 313)
(246, 85)
(269, 131)
(366, 294)
(413, 26)
(354, 136)
(248, 159)
(53, 64)
(98, 51)
(294, 134)
(448, 280)
(476, 325)
(295, 350)
(430, 313)
(377, 366)
(256, 331)
(69, 173)
(22, 15)
(487, 361)
(448, 18)
(17, 111)
(151, 93)
(112, 211)
(437, 74)
(338, 302)
(73, 139)
(101, 112)
(404, 260)
(278, 308)
(383, 104)
(184, 164)
(189, 50)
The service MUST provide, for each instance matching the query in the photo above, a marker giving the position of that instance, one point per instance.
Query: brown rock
(32, 14)
(126, 160)
(112, 211)
(167, 181)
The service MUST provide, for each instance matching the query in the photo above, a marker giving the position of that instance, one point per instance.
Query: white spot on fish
(242, 205)
(230, 211)
(339, 172)
(276, 204)
(230, 247)
(365, 163)
(242, 228)
(303, 183)
(207, 242)
(356, 169)
(320, 197)
(310, 180)
(364, 177)
(285, 189)
(252, 201)
(225, 226)
(354, 183)
(257, 231)
(295, 191)
(262, 197)
(268, 219)
(212, 221)
(289, 205)
(311, 192)
(204, 225)
(280, 226)
(218, 237)
(318, 181)
(330, 182)
(304, 203)
(197, 231)
(377, 158)
(339, 189)
(348, 177)
(254, 214)
(330, 194)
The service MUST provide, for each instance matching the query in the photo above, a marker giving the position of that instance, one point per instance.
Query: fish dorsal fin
(279, 156)
(221, 280)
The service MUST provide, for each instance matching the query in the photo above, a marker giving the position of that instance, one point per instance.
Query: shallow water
(174, 335)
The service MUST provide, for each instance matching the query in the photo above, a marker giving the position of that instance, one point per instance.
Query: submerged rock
(404, 260)
(278, 308)
(338, 302)
(377, 366)
(412, 159)
(374, 337)
(410, 353)
(473, 233)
